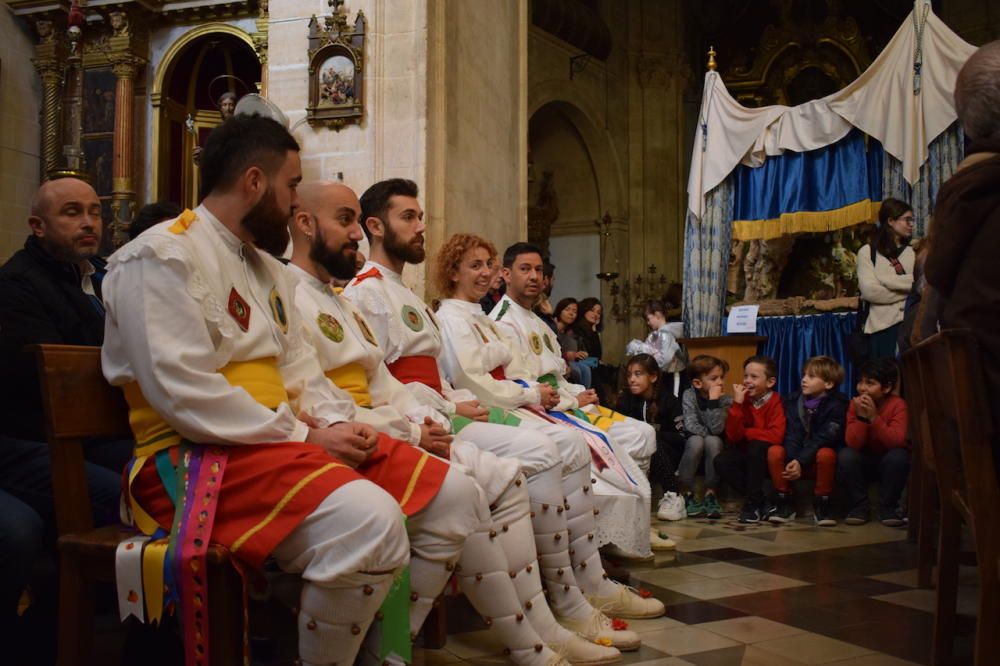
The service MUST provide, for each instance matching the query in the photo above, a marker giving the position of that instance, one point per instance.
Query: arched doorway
(195, 71)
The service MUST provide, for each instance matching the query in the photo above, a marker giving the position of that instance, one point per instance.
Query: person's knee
(21, 534)
(695, 444)
(776, 454)
(848, 458)
(380, 524)
(826, 456)
(713, 444)
(897, 459)
(537, 452)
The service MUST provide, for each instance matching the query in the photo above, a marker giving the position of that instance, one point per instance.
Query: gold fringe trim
(807, 221)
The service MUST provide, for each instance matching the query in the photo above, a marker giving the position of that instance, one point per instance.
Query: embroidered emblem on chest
(239, 310)
(278, 310)
(330, 327)
(481, 334)
(365, 331)
(548, 343)
(536, 343)
(412, 318)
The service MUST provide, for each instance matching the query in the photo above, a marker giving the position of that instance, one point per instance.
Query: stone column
(260, 43)
(123, 191)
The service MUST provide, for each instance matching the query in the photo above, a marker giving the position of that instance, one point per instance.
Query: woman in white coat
(885, 276)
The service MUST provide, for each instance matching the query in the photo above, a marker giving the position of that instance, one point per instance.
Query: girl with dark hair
(646, 400)
(565, 315)
(660, 344)
(885, 276)
(588, 327)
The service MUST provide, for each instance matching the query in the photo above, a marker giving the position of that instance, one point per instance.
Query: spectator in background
(544, 308)
(962, 264)
(661, 345)
(885, 276)
(497, 289)
(565, 314)
(588, 327)
(152, 214)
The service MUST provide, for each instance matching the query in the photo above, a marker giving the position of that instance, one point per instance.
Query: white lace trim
(168, 249)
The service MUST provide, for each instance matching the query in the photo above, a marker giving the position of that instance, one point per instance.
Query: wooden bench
(80, 404)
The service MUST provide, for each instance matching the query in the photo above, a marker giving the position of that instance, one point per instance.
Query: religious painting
(97, 153)
(98, 101)
(336, 80)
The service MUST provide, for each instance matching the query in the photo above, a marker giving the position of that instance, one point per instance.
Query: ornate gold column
(48, 63)
(123, 192)
(260, 44)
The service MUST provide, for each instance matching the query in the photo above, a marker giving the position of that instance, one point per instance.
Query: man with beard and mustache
(203, 336)
(410, 336)
(498, 568)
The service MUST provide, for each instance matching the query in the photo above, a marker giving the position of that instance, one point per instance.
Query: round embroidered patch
(412, 318)
(278, 310)
(548, 343)
(365, 331)
(330, 327)
(536, 344)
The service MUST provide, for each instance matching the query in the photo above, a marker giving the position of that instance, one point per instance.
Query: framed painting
(336, 71)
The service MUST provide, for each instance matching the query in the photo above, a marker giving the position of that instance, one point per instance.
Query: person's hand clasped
(865, 408)
(549, 397)
(470, 409)
(588, 397)
(434, 438)
(793, 471)
(352, 443)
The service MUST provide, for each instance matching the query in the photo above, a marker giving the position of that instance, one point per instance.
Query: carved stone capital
(49, 69)
(125, 65)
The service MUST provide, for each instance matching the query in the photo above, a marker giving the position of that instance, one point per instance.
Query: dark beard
(395, 248)
(268, 224)
(338, 263)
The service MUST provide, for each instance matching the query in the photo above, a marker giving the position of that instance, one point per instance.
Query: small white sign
(743, 319)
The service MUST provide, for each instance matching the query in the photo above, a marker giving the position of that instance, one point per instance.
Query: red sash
(498, 373)
(420, 369)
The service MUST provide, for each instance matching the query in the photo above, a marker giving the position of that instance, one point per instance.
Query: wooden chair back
(79, 404)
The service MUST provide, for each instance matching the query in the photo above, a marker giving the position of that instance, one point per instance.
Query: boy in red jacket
(876, 445)
(755, 422)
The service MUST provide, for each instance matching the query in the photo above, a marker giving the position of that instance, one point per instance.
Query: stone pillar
(260, 43)
(123, 190)
(49, 65)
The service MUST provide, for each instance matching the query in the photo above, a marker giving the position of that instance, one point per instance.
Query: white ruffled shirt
(170, 329)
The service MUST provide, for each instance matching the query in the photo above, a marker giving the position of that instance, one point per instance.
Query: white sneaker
(671, 507)
(659, 541)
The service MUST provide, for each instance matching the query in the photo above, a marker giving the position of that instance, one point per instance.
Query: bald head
(977, 93)
(66, 219)
(325, 230)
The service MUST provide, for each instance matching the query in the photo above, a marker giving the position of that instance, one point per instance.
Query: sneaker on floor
(659, 541)
(713, 509)
(858, 516)
(671, 507)
(693, 507)
(750, 513)
(892, 517)
(822, 513)
(627, 603)
(581, 650)
(599, 629)
(784, 509)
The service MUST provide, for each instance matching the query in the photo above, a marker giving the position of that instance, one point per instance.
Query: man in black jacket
(50, 292)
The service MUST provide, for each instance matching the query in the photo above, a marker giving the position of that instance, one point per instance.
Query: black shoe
(892, 517)
(858, 516)
(750, 513)
(821, 512)
(783, 510)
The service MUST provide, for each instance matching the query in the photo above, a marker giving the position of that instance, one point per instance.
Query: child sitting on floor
(661, 345)
(814, 432)
(704, 407)
(646, 400)
(876, 445)
(756, 421)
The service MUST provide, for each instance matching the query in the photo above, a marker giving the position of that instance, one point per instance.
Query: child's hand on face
(715, 392)
(793, 471)
(739, 392)
(864, 407)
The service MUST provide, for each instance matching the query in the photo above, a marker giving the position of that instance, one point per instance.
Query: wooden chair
(80, 404)
(923, 503)
(949, 372)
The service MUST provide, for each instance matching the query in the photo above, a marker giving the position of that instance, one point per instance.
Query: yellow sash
(605, 418)
(353, 379)
(260, 378)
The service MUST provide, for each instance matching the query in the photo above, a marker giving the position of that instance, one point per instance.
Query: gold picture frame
(336, 70)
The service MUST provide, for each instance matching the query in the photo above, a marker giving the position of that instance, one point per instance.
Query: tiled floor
(767, 596)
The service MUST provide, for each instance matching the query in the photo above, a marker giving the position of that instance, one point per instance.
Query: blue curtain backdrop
(791, 340)
(825, 179)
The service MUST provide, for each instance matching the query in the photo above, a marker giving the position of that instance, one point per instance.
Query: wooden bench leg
(76, 614)
(987, 636)
(925, 532)
(949, 542)
(225, 601)
(436, 626)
